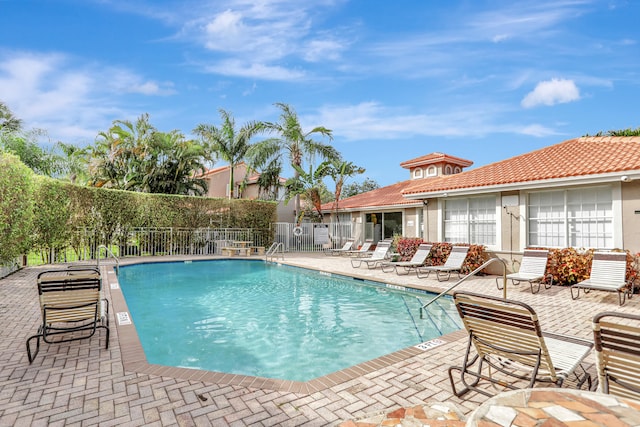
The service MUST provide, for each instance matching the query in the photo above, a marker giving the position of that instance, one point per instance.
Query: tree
(227, 143)
(368, 184)
(292, 140)
(25, 146)
(8, 122)
(339, 171)
(309, 185)
(269, 182)
(620, 132)
(137, 157)
(173, 166)
(72, 162)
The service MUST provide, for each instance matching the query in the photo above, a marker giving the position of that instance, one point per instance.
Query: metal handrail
(108, 251)
(273, 250)
(473, 273)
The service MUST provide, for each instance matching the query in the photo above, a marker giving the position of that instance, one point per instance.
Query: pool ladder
(473, 273)
(273, 251)
(109, 253)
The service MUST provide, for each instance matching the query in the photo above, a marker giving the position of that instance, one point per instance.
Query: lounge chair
(453, 263)
(365, 249)
(608, 273)
(379, 256)
(506, 335)
(532, 269)
(339, 251)
(71, 306)
(416, 261)
(617, 341)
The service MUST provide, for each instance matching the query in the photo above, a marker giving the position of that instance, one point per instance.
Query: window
(579, 218)
(448, 170)
(470, 221)
(432, 171)
(417, 173)
(383, 225)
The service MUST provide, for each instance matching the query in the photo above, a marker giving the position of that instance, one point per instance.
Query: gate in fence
(313, 237)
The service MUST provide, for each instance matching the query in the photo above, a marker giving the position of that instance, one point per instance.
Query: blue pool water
(268, 320)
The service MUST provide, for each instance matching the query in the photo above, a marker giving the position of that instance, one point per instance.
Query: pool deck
(81, 383)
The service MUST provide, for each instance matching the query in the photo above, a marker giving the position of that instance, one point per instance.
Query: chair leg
(537, 289)
(577, 292)
(33, 355)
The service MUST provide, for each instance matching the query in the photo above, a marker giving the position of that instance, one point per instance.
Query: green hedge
(16, 208)
(39, 213)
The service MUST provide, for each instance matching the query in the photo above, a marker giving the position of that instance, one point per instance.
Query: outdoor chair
(453, 263)
(379, 256)
(416, 261)
(365, 249)
(617, 341)
(507, 337)
(608, 273)
(339, 251)
(532, 269)
(71, 306)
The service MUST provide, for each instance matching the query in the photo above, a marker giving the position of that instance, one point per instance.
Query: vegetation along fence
(85, 243)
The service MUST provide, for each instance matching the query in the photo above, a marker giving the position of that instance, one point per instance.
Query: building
(583, 193)
(245, 187)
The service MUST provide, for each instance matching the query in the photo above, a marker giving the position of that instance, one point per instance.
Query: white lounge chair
(617, 340)
(379, 256)
(608, 273)
(453, 263)
(339, 251)
(365, 249)
(506, 336)
(532, 269)
(416, 261)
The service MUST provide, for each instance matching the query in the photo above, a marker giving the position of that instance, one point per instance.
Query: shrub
(16, 208)
(440, 251)
(407, 247)
(569, 265)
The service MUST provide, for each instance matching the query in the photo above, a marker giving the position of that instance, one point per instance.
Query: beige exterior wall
(631, 219)
(411, 222)
(219, 181)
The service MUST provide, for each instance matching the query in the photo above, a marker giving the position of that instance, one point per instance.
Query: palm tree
(339, 171)
(229, 144)
(72, 162)
(8, 122)
(309, 185)
(137, 157)
(293, 140)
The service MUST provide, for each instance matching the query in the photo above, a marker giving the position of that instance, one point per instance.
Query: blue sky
(481, 80)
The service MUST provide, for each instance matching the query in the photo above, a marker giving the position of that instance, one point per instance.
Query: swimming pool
(268, 320)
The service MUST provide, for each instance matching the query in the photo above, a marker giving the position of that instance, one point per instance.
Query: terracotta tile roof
(573, 158)
(386, 196)
(214, 171)
(435, 158)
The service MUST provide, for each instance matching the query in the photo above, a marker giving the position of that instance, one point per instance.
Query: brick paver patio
(81, 383)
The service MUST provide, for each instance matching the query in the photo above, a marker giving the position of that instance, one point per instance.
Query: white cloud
(260, 71)
(538, 131)
(70, 101)
(551, 92)
(373, 121)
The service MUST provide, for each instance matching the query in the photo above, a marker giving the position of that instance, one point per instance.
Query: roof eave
(374, 208)
(530, 185)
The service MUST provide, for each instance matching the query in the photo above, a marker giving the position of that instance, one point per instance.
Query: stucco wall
(631, 219)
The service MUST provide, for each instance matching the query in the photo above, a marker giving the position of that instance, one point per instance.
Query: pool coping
(134, 359)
